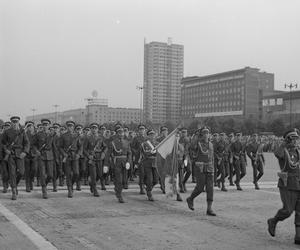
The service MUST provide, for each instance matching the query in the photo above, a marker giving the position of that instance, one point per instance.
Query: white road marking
(39, 241)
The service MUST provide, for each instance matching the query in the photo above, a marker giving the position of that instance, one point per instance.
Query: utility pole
(55, 106)
(291, 86)
(33, 110)
(140, 88)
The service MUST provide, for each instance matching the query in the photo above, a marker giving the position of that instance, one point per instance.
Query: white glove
(153, 151)
(185, 162)
(105, 169)
(136, 166)
(127, 165)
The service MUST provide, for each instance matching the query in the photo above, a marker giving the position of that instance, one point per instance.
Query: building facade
(235, 93)
(96, 110)
(163, 71)
(285, 105)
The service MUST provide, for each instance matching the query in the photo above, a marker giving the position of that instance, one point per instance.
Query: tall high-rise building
(163, 71)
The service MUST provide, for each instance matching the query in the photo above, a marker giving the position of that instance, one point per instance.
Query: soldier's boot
(78, 186)
(120, 199)
(190, 203)
(209, 210)
(142, 189)
(38, 183)
(224, 189)
(5, 186)
(54, 186)
(297, 236)
(256, 186)
(184, 187)
(178, 197)
(14, 194)
(44, 191)
(102, 185)
(70, 192)
(272, 222)
(95, 192)
(230, 181)
(85, 181)
(61, 181)
(92, 187)
(31, 185)
(27, 187)
(149, 195)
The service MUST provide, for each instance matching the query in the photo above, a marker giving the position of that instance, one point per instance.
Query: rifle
(94, 150)
(9, 148)
(69, 148)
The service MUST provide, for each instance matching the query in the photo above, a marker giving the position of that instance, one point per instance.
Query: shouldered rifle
(69, 148)
(9, 148)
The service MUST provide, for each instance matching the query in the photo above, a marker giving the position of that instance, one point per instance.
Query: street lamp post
(291, 86)
(140, 88)
(55, 106)
(33, 110)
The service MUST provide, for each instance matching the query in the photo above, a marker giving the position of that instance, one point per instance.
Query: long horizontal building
(234, 93)
(96, 110)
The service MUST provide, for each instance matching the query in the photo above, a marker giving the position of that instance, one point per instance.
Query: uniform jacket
(70, 145)
(44, 143)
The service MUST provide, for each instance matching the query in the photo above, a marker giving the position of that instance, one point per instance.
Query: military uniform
(254, 152)
(71, 148)
(136, 149)
(95, 151)
(204, 171)
(16, 146)
(220, 161)
(148, 163)
(238, 154)
(121, 155)
(289, 183)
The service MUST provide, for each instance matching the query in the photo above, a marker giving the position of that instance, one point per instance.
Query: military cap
(39, 125)
(215, 134)
(29, 123)
(118, 129)
(183, 130)
(86, 128)
(70, 123)
(231, 135)
(293, 133)
(204, 129)
(78, 126)
(222, 134)
(15, 118)
(56, 125)
(7, 124)
(238, 134)
(63, 127)
(126, 128)
(45, 121)
(254, 134)
(141, 126)
(94, 125)
(163, 128)
(150, 132)
(102, 127)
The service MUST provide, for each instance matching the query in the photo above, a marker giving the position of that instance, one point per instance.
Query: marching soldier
(82, 158)
(30, 159)
(231, 139)
(86, 134)
(57, 164)
(95, 151)
(288, 156)
(186, 173)
(255, 153)
(215, 141)
(3, 163)
(45, 149)
(220, 158)
(239, 163)
(161, 161)
(136, 147)
(16, 147)
(121, 154)
(204, 170)
(149, 163)
(71, 147)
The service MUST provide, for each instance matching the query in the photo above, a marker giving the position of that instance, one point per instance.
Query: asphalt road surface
(87, 222)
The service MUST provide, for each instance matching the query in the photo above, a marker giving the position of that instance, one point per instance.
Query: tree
(277, 127)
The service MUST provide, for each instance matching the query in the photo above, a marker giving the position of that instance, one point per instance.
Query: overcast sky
(58, 51)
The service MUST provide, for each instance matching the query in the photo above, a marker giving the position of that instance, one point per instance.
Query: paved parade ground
(87, 222)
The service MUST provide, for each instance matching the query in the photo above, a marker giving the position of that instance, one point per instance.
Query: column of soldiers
(79, 155)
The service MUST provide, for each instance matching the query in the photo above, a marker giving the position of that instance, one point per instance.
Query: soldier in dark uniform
(239, 164)
(231, 139)
(149, 163)
(255, 153)
(16, 147)
(106, 175)
(215, 141)
(161, 161)
(288, 156)
(30, 159)
(193, 154)
(57, 164)
(136, 149)
(4, 164)
(71, 148)
(95, 150)
(82, 158)
(45, 149)
(86, 134)
(39, 128)
(186, 173)
(204, 170)
(121, 154)
(221, 161)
